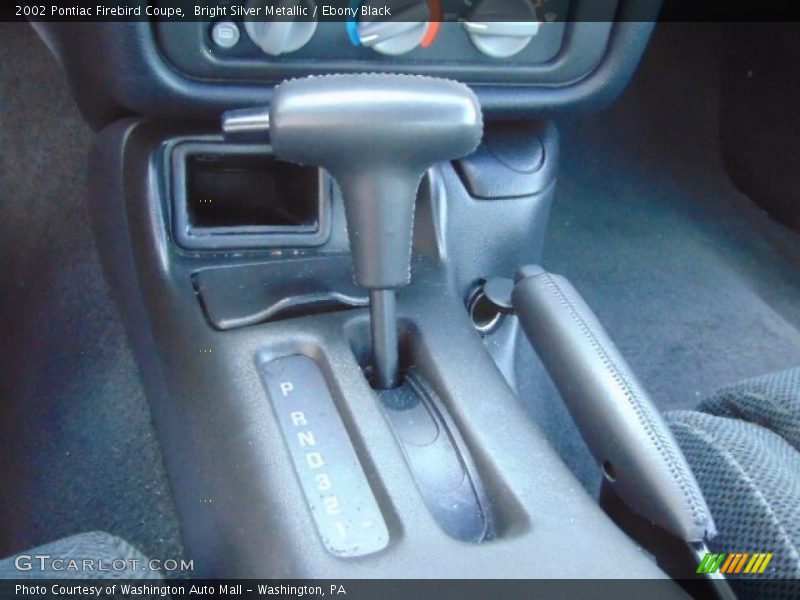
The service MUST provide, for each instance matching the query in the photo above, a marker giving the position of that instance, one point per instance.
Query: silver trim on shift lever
(247, 124)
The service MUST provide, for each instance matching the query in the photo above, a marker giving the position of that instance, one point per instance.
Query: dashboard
(523, 58)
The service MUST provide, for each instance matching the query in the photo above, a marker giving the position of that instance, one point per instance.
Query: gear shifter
(376, 135)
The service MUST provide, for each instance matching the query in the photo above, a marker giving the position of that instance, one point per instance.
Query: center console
(240, 473)
(245, 282)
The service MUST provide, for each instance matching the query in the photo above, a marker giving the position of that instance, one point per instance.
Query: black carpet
(77, 447)
(697, 286)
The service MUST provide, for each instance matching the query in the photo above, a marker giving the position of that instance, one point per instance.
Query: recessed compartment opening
(238, 196)
(251, 192)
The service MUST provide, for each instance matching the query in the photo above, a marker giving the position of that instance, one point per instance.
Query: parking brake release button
(342, 504)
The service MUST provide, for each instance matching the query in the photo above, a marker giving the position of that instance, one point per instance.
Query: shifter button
(342, 504)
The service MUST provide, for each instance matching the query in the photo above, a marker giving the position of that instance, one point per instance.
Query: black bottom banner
(483, 589)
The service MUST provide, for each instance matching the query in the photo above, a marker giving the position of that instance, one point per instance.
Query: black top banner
(399, 10)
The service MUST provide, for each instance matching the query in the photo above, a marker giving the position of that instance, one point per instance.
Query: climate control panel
(493, 41)
(497, 28)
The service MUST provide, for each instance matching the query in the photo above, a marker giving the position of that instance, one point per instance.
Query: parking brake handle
(624, 430)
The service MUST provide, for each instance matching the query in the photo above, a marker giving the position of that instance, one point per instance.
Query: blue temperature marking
(352, 24)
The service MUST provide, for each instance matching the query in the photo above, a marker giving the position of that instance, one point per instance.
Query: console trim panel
(347, 516)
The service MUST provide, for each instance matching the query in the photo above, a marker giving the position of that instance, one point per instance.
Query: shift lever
(376, 135)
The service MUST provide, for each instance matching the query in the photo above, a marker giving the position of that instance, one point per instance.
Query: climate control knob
(399, 33)
(281, 36)
(502, 28)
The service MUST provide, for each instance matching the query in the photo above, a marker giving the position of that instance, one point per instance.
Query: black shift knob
(376, 135)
